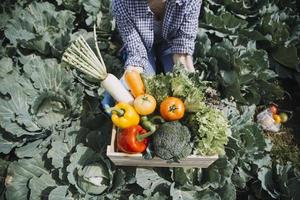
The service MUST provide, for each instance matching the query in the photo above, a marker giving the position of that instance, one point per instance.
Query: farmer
(156, 31)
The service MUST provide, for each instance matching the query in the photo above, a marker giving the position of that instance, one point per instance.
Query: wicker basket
(137, 160)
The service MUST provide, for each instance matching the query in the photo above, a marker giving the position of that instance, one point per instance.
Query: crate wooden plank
(124, 159)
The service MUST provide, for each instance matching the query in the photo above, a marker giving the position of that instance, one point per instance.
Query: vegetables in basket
(81, 56)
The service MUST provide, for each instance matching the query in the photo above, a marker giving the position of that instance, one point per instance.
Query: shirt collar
(179, 2)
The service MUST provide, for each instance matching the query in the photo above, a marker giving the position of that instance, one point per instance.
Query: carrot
(135, 83)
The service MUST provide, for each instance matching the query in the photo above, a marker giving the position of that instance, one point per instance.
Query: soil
(291, 102)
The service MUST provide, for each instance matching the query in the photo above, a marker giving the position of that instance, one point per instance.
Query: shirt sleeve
(184, 41)
(137, 53)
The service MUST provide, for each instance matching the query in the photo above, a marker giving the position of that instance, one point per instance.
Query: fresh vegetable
(277, 118)
(135, 138)
(179, 84)
(273, 109)
(144, 104)
(131, 140)
(211, 131)
(134, 82)
(81, 56)
(172, 108)
(94, 178)
(171, 141)
(114, 87)
(124, 115)
(283, 117)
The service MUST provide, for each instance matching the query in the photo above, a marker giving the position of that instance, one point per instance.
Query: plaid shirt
(135, 23)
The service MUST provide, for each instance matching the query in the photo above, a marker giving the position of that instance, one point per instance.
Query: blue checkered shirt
(135, 23)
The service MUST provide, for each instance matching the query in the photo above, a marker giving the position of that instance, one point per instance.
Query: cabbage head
(94, 178)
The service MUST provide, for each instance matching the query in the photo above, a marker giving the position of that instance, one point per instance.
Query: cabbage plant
(40, 27)
(35, 98)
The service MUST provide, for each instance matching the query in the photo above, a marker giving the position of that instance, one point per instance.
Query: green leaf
(227, 192)
(223, 22)
(29, 150)
(40, 27)
(59, 193)
(6, 145)
(20, 173)
(202, 45)
(149, 180)
(14, 114)
(208, 195)
(60, 149)
(287, 56)
(265, 176)
(39, 185)
(44, 96)
(178, 194)
(229, 77)
(218, 174)
(6, 64)
(240, 121)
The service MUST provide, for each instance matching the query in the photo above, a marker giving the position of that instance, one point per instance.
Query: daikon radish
(81, 56)
(114, 87)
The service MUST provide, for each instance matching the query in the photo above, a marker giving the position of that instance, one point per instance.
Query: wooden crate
(124, 159)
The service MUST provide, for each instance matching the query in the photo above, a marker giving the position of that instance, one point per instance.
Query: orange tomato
(172, 108)
(144, 104)
(277, 119)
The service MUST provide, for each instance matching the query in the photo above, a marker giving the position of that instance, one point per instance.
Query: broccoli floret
(171, 141)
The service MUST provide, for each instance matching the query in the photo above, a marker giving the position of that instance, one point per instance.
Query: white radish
(114, 87)
(81, 56)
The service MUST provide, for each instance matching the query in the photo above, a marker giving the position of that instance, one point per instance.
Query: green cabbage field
(53, 134)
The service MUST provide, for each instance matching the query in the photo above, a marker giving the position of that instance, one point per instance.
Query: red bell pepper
(132, 139)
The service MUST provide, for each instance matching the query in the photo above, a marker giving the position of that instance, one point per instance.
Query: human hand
(130, 67)
(186, 60)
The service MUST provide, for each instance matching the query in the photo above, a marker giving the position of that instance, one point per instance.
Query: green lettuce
(210, 129)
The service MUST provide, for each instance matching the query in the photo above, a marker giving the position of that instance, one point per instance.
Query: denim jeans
(159, 54)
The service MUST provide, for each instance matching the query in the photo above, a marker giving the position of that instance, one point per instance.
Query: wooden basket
(137, 160)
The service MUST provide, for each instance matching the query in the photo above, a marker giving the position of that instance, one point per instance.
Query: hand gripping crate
(137, 160)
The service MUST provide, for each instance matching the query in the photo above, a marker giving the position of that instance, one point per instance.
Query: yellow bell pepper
(124, 115)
